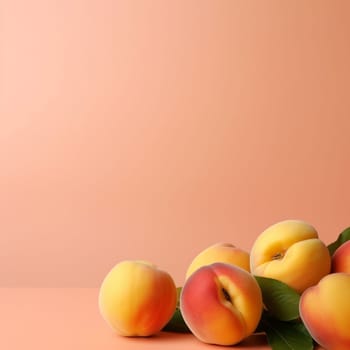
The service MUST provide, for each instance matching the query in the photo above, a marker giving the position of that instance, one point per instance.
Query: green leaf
(342, 238)
(283, 335)
(279, 299)
(177, 323)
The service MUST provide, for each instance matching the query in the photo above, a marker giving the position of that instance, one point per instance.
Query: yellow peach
(325, 311)
(221, 304)
(290, 251)
(341, 258)
(220, 252)
(137, 299)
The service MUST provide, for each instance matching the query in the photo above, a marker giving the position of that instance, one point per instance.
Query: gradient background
(152, 129)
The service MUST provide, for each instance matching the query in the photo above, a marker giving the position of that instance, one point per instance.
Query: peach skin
(220, 252)
(341, 258)
(137, 299)
(221, 304)
(325, 311)
(290, 251)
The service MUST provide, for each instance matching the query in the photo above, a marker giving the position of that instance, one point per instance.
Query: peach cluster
(221, 301)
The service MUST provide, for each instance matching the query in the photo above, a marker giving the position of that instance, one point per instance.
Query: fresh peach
(325, 311)
(137, 299)
(221, 304)
(341, 258)
(290, 251)
(220, 252)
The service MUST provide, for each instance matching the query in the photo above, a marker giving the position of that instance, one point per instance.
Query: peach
(220, 252)
(137, 299)
(341, 258)
(290, 251)
(325, 311)
(221, 304)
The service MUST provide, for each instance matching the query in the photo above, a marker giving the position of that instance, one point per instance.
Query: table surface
(68, 318)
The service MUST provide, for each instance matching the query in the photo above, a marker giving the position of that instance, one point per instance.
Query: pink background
(152, 129)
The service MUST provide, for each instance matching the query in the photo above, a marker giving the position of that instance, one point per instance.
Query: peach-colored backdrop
(152, 129)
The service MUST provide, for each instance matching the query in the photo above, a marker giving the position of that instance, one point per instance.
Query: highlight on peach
(222, 300)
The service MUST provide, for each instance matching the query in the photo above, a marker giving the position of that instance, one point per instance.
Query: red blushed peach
(341, 258)
(221, 304)
(325, 311)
